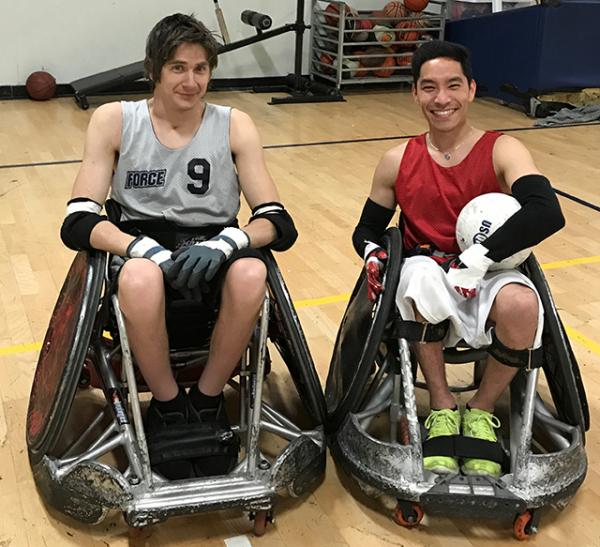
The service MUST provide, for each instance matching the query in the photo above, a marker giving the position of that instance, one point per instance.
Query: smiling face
(184, 77)
(444, 94)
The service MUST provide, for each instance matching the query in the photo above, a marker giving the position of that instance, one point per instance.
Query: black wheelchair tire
(59, 365)
(381, 313)
(292, 345)
(560, 365)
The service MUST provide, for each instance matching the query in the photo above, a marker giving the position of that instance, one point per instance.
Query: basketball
(384, 35)
(404, 60)
(362, 27)
(377, 17)
(481, 217)
(326, 59)
(395, 10)
(416, 5)
(350, 67)
(332, 16)
(40, 85)
(374, 56)
(387, 67)
(360, 73)
(404, 33)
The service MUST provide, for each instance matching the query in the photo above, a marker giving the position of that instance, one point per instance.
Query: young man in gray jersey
(175, 165)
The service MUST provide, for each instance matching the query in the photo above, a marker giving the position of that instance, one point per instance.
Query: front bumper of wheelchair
(86, 490)
(396, 470)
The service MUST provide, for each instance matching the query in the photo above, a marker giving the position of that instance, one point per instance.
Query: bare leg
(515, 313)
(142, 301)
(241, 300)
(431, 359)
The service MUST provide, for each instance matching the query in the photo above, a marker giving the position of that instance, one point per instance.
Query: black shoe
(162, 431)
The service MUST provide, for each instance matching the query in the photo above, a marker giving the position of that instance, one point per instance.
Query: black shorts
(189, 322)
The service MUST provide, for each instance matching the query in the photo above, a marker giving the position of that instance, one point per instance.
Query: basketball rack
(301, 89)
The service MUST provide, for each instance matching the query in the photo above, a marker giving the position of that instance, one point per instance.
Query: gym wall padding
(536, 49)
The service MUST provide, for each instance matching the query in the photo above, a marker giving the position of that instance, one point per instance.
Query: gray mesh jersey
(195, 185)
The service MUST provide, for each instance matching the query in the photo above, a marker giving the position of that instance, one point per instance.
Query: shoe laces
(481, 424)
(442, 422)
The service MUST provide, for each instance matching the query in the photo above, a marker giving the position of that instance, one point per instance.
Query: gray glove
(199, 263)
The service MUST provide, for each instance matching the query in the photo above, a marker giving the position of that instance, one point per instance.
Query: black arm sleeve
(374, 219)
(539, 217)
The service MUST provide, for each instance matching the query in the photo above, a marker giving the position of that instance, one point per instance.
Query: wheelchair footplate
(471, 496)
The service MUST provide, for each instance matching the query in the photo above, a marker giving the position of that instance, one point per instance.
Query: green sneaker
(442, 423)
(480, 424)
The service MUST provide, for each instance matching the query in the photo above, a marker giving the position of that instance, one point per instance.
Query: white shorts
(424, 284)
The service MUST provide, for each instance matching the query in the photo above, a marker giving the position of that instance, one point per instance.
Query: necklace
(448, 155)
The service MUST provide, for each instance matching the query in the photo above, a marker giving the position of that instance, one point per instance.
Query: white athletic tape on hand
(369, 249)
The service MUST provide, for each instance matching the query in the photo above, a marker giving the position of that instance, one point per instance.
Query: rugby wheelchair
(376, 437)
(85, 436)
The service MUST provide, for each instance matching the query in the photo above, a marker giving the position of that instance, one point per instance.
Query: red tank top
(431, 196)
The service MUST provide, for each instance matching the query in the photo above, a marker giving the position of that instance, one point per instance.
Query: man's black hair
(439, 48)
(168, 34)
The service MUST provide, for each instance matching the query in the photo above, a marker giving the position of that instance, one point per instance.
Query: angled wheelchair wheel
(63, 353)
(560, 366)
(286, 334)
(359, 336)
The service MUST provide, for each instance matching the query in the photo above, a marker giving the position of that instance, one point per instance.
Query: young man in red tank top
(431, 177)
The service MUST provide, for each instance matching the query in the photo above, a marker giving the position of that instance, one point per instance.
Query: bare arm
(379, 208)
(95, 174)
(255, 181)
(384, 178)
(512, 161)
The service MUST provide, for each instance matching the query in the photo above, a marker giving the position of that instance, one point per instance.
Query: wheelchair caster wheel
(261, 519)
(408, 514)
(524, 526)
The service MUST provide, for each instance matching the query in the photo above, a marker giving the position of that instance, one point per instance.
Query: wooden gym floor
(322, 157)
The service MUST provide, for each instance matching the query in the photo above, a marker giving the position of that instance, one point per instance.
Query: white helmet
(481, 217)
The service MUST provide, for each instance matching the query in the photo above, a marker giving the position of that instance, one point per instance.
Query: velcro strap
(459, 446)
(518, 358)
(188, 441)
(413, 331)
(240, 239)
(470, 447)
(83, 205)
(267, 208)
(141, 246)
(440, 446)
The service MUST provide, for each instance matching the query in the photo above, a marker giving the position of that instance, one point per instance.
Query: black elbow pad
(82, 216)
(275, 213)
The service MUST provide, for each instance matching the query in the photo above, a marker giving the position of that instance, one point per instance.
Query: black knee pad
(518, 358)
